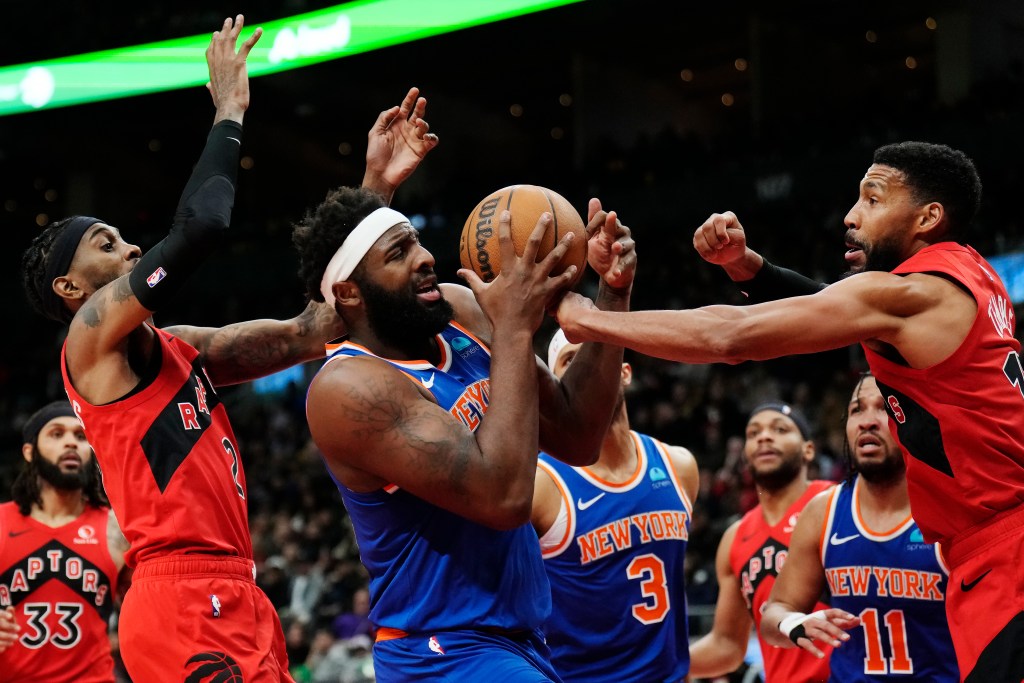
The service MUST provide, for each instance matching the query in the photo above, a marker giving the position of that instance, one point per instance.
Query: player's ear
(627, 374)
(26, 451)
(347, 293)
(931, 221)
(809, 451)
(66, 288)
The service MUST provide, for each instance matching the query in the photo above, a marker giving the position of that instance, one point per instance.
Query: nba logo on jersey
(156, 276)
(657, 474)
(435, 646)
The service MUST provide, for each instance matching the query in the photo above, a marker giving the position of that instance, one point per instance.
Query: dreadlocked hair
(26, 492)
(323, 230)
(33, 267)
(851, 467)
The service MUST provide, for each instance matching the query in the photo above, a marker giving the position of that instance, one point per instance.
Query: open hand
(398, 141)
(611, 251)
(229, 78)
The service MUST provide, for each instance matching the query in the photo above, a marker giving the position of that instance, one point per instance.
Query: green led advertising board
(289, 43)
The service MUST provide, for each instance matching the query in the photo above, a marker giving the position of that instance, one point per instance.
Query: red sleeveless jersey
(170, 461)
(960, 423)
(61, 582)
(758, 553)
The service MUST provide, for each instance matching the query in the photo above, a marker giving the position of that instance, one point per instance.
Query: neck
(885, 497)
(617, 461)
(774, 503)
(59, 506)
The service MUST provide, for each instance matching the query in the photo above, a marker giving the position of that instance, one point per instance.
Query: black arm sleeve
(772, 283)
(200, 222)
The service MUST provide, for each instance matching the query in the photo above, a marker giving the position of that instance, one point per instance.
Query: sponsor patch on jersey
(459, 343)
(657, 474)
(86, 535)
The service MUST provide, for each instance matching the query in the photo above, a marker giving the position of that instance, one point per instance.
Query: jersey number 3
(650, 570)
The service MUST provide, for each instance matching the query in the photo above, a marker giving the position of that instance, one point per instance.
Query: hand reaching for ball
(611, 250)
(518, 296)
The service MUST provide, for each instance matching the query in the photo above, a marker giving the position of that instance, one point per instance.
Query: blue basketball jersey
(616, 572)
(431, 569)
(896, 584)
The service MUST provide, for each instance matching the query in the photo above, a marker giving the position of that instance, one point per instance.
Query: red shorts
(200, 616)
(985, 599)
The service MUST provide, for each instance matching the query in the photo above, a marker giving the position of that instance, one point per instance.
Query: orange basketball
(478, 248)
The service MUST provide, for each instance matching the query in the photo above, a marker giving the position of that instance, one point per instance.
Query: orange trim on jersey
(385, 633)
(641, 458)
(419, 364)
(471, 336)
(391, 488)
(570, 525)
(680, 489)
(860, 519)
(826, 523)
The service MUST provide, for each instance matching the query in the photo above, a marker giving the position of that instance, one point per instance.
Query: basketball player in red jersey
(778, 448)
(146, 396)
(937, 328)
(60, 555)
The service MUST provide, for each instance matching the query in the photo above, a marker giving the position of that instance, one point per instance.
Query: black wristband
(772, 283)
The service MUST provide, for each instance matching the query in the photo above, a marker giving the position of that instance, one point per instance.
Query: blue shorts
(460, 656)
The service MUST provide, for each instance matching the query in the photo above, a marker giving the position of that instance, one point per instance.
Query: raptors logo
(213, 667)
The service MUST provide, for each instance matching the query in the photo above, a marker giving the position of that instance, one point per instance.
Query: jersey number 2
(1014, 371)
(899, 661)
(653, 587)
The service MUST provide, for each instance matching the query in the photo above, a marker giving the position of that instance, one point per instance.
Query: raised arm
(722, 240)
(577, 409)
(398, 141)
(99, 359)
(799, 585)
(721, 651)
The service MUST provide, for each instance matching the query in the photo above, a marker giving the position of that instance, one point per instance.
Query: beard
(886, 470)
(883, 256)
(398, 318)
(61, 480)
(780, 477)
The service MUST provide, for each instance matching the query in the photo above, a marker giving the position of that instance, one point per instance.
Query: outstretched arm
(397, 143)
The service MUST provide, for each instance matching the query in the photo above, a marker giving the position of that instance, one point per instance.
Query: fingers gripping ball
(479, 249)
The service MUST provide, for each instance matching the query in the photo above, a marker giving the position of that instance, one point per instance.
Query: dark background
(601, 109)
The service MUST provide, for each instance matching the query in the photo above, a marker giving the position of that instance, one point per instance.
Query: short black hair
(938, 173)
(33, 269)
(323, 230)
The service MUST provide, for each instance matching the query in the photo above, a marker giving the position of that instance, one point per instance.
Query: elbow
(730, 347)
(510, 513)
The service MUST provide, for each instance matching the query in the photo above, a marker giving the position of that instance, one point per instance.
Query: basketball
(479, 250)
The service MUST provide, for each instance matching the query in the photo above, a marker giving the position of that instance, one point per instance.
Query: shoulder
(467, 311)
(685, 466)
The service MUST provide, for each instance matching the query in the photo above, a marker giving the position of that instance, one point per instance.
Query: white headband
(555, 346)
(355, 246)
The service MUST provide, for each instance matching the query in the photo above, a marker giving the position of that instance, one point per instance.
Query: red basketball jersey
(170, 461)
(61, 582)
(960, 423)
(758, 553)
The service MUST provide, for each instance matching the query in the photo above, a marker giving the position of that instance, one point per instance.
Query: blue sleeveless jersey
(430, 569)
(896, 584)
(619, 604)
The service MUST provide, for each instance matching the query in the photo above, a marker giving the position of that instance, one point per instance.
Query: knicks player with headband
(429, 418)
(147, 397)
(778, 448)
(860, 543)
(613, 537)
(61, 552)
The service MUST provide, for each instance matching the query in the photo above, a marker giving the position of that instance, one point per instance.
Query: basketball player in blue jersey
(613, 537)
(430, 417)
(860, 541)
